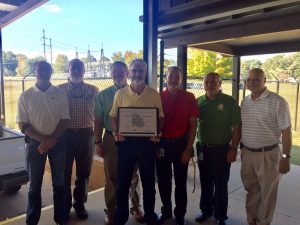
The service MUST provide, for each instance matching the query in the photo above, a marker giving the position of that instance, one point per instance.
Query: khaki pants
(260, 177)
(110, 169)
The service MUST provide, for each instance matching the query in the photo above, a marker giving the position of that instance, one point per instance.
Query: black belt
(78, 130)
(263, 149)
(173, 140)
(213, 146)
(108, 132)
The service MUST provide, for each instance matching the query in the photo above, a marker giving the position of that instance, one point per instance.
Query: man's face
(119, 75)
(212, 84)
(137, 73)
(256, 81)
(174, 79)
(43, 73)
(76, 71)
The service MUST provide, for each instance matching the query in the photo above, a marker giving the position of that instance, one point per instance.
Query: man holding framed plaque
(176, 145)
(134, 114)
(107, 148)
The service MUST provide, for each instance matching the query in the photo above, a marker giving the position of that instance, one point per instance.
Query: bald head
(256, 81)
(212, 84)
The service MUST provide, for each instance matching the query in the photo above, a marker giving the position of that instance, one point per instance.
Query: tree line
(199, 63)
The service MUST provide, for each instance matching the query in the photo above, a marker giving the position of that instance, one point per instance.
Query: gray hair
(118, 63)
(138, 61)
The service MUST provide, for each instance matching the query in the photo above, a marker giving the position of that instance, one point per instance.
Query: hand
(100, 150)
(186, 156)
(49, 141)
(284, 165)
(118, 137)
(42, 149)
(156, 138)
(231, 156)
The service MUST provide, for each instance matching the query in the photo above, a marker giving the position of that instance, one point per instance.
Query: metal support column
(2, 102)
(182, 63)
(161, 66)
(236, 77)
(150, 29)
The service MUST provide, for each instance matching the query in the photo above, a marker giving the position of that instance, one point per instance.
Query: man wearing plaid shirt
(79, 136)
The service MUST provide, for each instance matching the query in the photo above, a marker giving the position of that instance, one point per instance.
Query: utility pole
(102, 70)
(76, 54)
(44, 44)
(89, 59)
(51, 50)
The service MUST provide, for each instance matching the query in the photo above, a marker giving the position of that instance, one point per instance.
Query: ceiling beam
(13, 2)
(221, 48)
(270, 48)
(222, 14)
(3, 13)
(25, 8)
(238, 30)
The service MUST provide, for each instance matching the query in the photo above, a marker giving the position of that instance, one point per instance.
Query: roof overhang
(235, 28)
(10, 10)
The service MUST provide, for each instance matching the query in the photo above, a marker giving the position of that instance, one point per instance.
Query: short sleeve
(65, 112)
(114, 109)
(194, 112)
(22, 111)
(235, 113)
(99, 112)
(283, 115)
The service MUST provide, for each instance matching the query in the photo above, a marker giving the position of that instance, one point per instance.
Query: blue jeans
(35, 168)
(130, 152)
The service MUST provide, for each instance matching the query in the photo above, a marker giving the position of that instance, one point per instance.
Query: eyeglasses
(137, 71)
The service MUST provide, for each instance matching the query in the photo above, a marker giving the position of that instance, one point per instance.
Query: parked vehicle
(13, 172)
(194, 86)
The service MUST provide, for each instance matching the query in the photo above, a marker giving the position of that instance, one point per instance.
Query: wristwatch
(286, 156)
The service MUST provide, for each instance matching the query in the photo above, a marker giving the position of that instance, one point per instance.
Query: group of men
(58, 123)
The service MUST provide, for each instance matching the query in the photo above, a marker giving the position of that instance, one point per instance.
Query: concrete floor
(287, 210)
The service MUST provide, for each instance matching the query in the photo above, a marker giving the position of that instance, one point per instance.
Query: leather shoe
(81, 212)
(108, 219)
(202, 218)
(138, 214)
(163, 218)
(221, 222)
(180, 221)
(152, 222)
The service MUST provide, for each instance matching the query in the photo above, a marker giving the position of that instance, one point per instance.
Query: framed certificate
(138, 122)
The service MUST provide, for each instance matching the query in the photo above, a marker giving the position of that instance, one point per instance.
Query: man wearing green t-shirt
(218, 135)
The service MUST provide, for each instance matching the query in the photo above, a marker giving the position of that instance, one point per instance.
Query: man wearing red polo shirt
(176, 147)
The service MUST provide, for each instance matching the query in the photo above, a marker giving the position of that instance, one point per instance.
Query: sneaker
(202, 218)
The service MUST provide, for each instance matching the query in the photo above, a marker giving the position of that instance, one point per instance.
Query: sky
(77, 23)
(81, 24)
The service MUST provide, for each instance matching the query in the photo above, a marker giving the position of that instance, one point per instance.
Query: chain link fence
(13, 87)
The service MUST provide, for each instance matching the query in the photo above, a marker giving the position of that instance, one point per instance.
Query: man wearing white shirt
(266, 124)
(42, 116)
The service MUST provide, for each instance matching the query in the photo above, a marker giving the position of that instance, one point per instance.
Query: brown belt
(263, 149)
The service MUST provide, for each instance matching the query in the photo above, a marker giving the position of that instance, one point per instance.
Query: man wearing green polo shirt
(107, 148)
(218, 135)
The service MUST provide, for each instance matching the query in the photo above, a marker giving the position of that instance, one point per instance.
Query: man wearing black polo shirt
(219, 133)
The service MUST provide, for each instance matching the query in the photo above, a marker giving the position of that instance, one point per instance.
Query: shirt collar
(72, 86)
(216, 98)
(262, 96)
(39, 90)
(131, 92)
